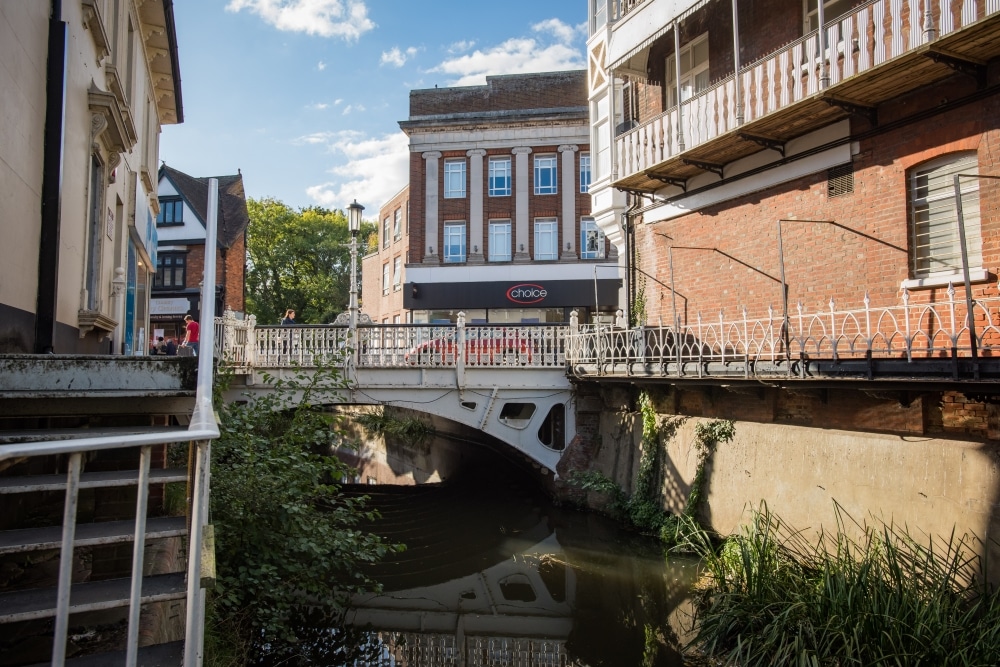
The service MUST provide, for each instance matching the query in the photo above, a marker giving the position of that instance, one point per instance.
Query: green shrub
(286, 538)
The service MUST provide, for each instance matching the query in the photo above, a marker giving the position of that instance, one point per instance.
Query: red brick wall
(232, 267)
(539, 206)
(866, 251)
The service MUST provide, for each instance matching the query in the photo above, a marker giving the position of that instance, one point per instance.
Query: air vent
(840, 180)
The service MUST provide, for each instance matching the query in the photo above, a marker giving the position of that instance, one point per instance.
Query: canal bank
(929, 461)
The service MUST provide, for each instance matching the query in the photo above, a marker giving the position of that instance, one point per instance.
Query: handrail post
(138, 549)
(66, 559)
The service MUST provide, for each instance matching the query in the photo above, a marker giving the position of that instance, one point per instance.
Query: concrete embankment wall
(932, 467)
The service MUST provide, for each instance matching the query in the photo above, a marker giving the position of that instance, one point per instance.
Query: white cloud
(337, 102)
(375, 169)
(461, 47)
(397, 58)
(321, 65)
(318, 106)
(327, 18)
(562, 32)
(557, 47)
(350, 108)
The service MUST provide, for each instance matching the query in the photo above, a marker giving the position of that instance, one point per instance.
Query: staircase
(103, 465)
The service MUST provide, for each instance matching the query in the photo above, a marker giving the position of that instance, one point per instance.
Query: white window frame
(454, 178)
(546, 164)
(385, 279)
(454, 234)
(497, 172)
(694, 79)
(397, 224)
(500, 240)
(397, 273)
(546, 239)
(386, 239)
(585, 175)
(591, 239)
(935, 249)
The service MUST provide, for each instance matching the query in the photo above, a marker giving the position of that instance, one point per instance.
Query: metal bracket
(962, 64)
(707, 166)
(676, 182)
(766, 142)
(868, 113)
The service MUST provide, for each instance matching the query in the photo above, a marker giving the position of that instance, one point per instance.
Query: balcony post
(736, 65)
(677, 81)
(824, 71)
(930, 29)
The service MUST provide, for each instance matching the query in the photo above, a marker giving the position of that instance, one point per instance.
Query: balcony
(874, 53)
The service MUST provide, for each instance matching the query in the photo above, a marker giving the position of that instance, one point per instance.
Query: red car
(481, 351)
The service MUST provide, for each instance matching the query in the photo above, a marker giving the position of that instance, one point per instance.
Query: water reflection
(495, 575)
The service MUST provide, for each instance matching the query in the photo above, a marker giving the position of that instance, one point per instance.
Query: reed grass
(771, 597)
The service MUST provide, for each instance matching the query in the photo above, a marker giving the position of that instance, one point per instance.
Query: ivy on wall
(643, 509)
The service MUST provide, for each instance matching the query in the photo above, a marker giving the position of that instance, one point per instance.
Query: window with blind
(936, 249)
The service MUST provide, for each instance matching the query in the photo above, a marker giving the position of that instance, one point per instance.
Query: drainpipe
(52, 170)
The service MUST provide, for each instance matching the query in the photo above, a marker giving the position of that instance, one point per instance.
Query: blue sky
(304, 96)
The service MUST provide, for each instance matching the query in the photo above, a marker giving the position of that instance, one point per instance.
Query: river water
(496, 575)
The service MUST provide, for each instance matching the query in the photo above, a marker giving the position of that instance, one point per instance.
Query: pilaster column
(475, 248)
(567, 242)
(431, 223)
(522, 186)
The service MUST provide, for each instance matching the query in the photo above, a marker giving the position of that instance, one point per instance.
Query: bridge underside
(531, 410)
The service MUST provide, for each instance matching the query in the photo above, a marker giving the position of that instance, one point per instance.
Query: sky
(304, 97)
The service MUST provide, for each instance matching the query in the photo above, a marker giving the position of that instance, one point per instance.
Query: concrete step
(89, 534)
(91, 596)
(89, 480)
(160, 655)
(43, 435)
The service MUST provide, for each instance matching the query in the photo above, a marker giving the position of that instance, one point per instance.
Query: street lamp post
(354, 224)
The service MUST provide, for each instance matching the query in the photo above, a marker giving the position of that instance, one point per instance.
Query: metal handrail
(202, 430)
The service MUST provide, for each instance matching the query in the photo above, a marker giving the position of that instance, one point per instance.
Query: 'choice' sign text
(526, 293)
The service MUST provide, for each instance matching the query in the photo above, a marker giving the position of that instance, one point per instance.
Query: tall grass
(773, 598)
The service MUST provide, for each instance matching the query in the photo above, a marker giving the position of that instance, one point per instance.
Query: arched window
(936, 247)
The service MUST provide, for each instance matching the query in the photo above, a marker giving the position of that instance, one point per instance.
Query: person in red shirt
(191, 334)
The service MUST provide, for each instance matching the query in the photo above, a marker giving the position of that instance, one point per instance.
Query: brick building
(500, 222)
(384, 265)
(181, 250)
(776, 157)
(850, 137)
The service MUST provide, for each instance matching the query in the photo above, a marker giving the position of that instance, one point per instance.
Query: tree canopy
(299, 259)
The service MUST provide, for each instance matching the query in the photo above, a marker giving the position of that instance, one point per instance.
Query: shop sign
(178, 306)
(526, 293)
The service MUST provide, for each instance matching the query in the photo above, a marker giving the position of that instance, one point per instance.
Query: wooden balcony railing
(857, 42)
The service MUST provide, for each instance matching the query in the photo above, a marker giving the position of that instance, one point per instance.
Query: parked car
(479, 350)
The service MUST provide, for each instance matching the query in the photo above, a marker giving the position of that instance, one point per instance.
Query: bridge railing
(907, 331)
(411, 345)
(234, 341)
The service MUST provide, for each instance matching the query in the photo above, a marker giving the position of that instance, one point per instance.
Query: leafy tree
(299, 259)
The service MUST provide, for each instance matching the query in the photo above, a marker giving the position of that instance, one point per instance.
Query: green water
(496, 574)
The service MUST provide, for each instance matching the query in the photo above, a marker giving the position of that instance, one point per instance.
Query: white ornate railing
(907, 332)
(391, 345)
(234, 342)
(859, 41)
